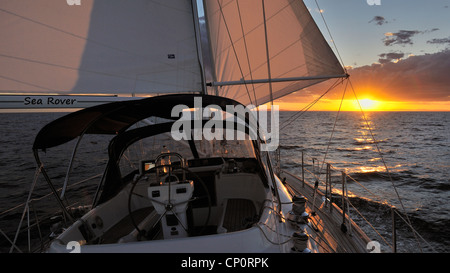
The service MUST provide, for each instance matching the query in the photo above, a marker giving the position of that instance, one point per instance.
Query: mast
(199, 44)
(211, 63)
(267, 52)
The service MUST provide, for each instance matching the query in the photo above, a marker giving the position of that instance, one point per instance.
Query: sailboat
(193, 194)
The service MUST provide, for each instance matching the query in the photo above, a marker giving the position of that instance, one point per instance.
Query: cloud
(403, 37)
(389, 57)
(419, 78)
(379, 20)
(441, 41)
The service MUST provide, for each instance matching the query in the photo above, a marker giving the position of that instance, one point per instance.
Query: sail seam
(246, 51)
(234, 49)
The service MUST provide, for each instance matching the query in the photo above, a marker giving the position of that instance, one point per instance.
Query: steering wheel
(170, 205)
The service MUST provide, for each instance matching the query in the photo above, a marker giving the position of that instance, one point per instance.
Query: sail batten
(292, 79)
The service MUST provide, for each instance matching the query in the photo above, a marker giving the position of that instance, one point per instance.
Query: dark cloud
(389, 57)
(403, 37)
(379, 20)
(417, 78)
(439, 41)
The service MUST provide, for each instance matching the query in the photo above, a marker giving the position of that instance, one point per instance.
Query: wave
(364, 141)
(369, 176)
(289, 147)
(433, 231)
(404, 175)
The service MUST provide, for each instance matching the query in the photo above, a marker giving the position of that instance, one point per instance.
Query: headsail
(100, 47)
(257, 42)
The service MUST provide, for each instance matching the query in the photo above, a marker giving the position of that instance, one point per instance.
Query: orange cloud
(414, 83)
(417, 78)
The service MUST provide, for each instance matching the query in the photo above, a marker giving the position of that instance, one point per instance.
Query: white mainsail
(259, 50)
(99, 47)
(258, 42)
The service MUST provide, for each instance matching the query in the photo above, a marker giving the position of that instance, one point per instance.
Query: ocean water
(415, 147)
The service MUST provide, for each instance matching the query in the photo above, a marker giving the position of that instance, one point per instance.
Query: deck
(327, 221)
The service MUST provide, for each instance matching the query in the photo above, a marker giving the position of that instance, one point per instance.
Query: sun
(366, 104)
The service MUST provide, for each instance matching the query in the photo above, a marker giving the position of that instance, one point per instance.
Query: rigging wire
(307, 107)
(269, 74)
(370, 130)
(246, 51)
(234, 48)
(331, 36)
(301, 112)
(385, 165)
(334, 127)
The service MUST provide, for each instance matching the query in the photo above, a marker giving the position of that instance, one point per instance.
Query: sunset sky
(397, 55)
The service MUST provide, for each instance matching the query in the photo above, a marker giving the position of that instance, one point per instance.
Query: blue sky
(360, 30)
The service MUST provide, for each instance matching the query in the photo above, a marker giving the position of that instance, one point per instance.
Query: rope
(321, 235)
(334, 127)
(290, 237)
(267, 238)
(316, 225)
(311, 104)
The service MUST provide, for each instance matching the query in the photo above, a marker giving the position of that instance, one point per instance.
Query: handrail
(27, 206)
(344, 193)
